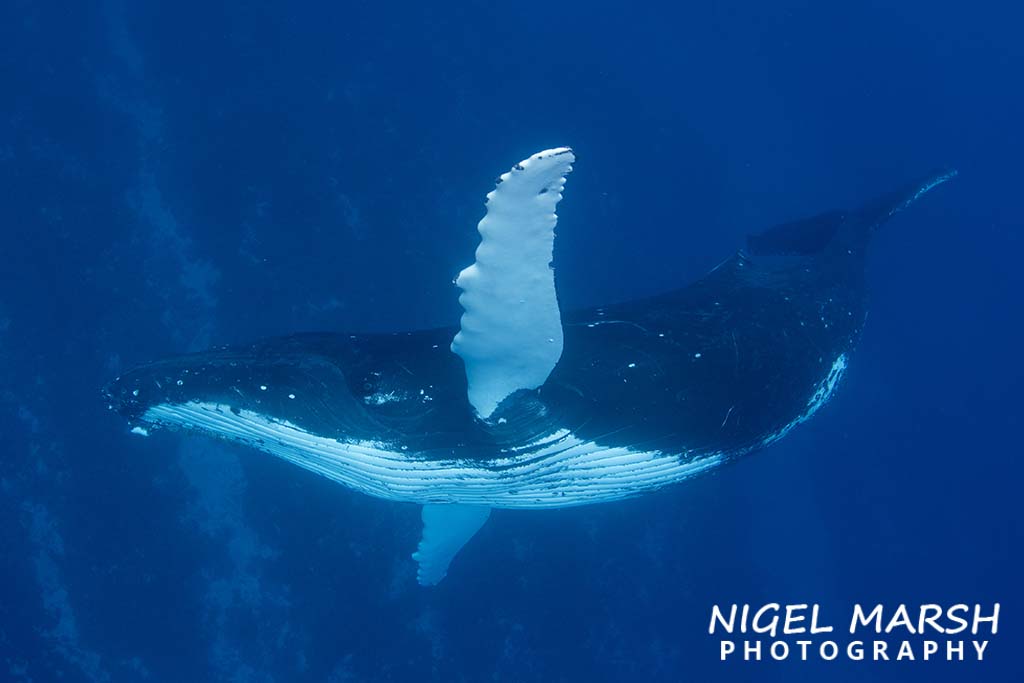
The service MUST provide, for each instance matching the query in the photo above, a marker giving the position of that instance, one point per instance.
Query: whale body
(530, 408)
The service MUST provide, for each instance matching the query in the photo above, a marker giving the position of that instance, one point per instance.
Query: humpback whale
(523, 406)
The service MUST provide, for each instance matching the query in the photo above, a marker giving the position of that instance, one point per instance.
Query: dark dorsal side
(842, 229)
(806, 237)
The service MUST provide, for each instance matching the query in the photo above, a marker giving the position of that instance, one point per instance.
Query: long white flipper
(511, 334)
(446, 528)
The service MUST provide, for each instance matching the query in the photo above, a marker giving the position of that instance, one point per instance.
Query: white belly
(560, 471)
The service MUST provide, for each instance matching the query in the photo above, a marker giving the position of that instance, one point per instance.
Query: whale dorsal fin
(511, 332)
(446, 528)
(806, 236)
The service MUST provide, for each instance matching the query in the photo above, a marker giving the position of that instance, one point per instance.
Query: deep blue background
(202, 172)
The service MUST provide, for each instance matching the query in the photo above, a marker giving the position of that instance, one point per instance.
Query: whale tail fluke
(814, 235)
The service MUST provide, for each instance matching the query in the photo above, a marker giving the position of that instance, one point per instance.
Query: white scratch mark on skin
(615, 322)
(727, 416)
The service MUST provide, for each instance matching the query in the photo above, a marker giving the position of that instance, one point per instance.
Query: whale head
(283, 381)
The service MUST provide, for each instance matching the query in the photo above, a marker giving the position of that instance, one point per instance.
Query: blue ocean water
(186, 174)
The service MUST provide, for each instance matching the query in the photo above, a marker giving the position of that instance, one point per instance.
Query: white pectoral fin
(511, 332)
(446, 528)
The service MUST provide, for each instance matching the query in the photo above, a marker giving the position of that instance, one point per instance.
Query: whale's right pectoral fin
(511, 334)
(446, 528)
